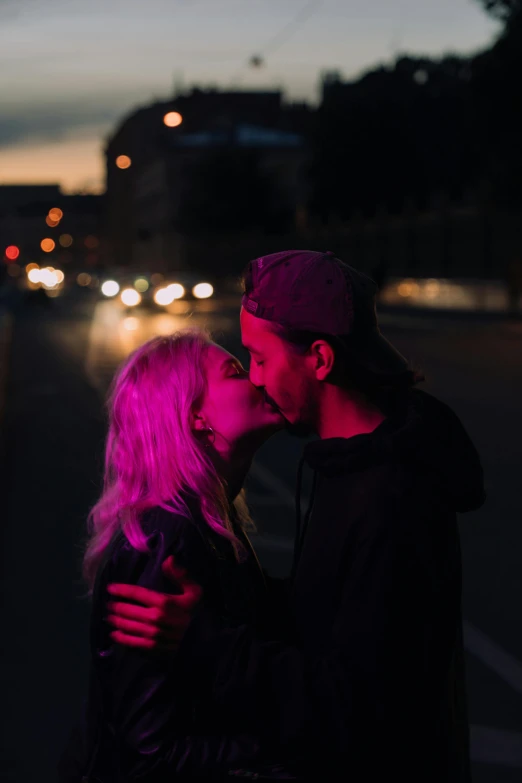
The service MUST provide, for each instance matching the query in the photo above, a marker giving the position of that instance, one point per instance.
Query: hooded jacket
(369, 681)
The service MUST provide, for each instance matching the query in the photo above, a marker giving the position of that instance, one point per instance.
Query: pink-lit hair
(152, 454)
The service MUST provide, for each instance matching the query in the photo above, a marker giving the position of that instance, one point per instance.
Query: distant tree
(394, 135)
(498, 104)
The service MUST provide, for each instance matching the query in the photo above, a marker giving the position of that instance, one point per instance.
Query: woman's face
(232, 406)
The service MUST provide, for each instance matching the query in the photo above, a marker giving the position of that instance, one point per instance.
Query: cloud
(31, 122)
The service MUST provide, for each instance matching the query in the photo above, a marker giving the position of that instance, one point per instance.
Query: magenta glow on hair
(152, 456)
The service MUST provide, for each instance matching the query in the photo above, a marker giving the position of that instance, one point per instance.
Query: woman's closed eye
(237, 371)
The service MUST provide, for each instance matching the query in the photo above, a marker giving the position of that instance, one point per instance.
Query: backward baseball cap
(310, 291)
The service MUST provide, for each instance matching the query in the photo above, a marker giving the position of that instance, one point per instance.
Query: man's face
(286, 378)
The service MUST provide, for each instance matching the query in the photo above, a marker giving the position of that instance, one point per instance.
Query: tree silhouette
(502, 9)
(499, 105)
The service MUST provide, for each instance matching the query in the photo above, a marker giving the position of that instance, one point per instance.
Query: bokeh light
(172, 119)
(202, 290)
(12, 252)
(66, 240)
(110, 288)
(157, 278)
(130, 297)
(123, 161)
(91, 242)
(177, 290)
(48, 277)
(141, 284)
(51, 222)
(47, 245)
(432, 289)
(31, 266)
(83, 279)
(60, 277)
(56, 214)
(163, 297)
(408, 288)
(34, 275)
(13, 270)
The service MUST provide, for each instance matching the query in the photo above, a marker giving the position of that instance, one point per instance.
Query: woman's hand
(149, 620)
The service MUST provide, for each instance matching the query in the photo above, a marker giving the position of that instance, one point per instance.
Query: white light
(130, 297)
(60, 277)
(48, 277)
(130, 323)
(34, 275)
(202, 290)
(110, 288)
(163, 296)
(177, 290)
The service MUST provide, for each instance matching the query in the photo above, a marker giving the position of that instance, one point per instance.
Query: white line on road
(496, 746)
(493, 656)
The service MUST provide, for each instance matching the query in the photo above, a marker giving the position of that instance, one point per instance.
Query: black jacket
(371, 685)
(154, 718)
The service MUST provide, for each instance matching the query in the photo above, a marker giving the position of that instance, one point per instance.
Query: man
(369, 683)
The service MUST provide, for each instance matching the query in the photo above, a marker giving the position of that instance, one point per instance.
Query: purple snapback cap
(310, 291)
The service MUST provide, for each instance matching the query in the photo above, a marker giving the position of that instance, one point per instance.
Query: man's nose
(254, 377)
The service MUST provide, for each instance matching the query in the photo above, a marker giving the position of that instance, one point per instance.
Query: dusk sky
(70, 70)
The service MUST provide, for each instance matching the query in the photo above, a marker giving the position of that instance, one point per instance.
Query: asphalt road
(63, 354)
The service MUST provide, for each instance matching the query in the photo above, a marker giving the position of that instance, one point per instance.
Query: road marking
(493, 656)
(496, 746)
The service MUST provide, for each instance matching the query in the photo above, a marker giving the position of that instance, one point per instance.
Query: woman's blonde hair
(152, 456)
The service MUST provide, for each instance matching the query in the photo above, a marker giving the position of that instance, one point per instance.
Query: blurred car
(155, 290)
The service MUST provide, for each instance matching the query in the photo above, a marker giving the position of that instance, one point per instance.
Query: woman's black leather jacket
(156, 717)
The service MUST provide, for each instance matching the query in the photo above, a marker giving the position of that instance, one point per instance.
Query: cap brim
(378, 355)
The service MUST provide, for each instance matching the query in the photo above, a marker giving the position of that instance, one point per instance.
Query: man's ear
(323, 356)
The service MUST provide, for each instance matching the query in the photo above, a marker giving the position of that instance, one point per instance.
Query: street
(62, 357)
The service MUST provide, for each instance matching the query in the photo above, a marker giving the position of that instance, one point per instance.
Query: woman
(184, 425)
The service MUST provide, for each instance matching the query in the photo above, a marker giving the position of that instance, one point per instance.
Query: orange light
(173, 119)
(12, 252)
(51, 222)
(56, 214)
(66, 240)
(123, 161)
(31, 266)
(47, 245)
